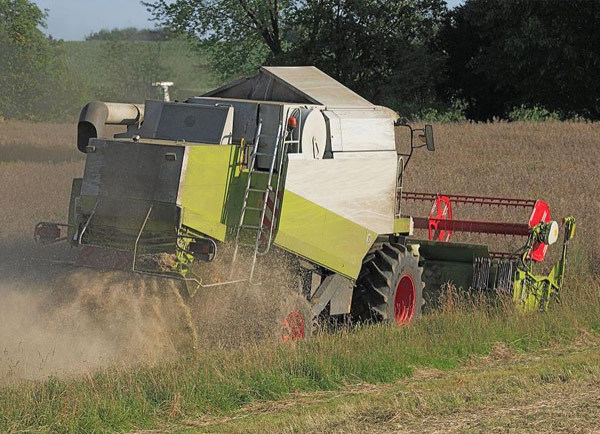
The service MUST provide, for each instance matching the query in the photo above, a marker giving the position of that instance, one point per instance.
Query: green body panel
(402, 225)
(322, 236)
(211, 190)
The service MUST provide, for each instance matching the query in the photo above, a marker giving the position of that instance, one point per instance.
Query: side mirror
(429, 142)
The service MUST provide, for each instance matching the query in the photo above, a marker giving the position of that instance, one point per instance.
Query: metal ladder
(279, 153)
(260, 227)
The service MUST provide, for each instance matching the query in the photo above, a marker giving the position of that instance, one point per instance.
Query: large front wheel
(390, 286)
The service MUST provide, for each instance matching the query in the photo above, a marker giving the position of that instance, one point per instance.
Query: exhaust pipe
(96, 114)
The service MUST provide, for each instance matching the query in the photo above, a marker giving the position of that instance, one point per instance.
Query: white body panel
(361, 190)
(361, 130)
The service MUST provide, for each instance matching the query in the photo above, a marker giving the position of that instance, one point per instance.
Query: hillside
(105, 66)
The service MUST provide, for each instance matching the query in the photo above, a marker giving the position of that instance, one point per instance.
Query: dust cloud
(72, 321)
(86, 319)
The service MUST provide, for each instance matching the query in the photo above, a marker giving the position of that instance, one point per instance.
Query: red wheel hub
(404, 302)
(293, 327)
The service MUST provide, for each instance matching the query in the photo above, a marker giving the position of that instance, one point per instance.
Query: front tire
(390, 286)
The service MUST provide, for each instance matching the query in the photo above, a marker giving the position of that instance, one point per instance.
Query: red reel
(441, 210)
(540, 213)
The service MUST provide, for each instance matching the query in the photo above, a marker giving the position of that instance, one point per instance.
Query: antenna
(165, 85)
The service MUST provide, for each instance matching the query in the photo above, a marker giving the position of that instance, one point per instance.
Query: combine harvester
(288, 160)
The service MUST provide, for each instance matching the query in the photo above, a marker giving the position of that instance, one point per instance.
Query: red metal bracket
(540, 213)
(441, 210)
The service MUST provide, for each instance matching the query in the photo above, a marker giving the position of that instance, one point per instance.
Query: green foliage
(505, 54)
(454, 113)
(130, 34)
(532, 114)
(34, 81)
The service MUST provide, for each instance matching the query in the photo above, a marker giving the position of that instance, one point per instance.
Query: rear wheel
(389, 287)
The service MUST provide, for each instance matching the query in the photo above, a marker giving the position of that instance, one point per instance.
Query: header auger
(287, 163)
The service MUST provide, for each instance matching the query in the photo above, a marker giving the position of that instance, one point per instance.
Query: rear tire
(389, 287)
(295, 320)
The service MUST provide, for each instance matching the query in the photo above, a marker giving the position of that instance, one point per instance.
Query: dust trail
(235, 315)
(85, 320)
(74, 321)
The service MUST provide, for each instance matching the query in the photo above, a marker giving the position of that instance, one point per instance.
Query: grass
(218, 383)
(550, 390)
(554, 161)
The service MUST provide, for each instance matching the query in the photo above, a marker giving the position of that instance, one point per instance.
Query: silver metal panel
(245, 115)
(342, 299)
(317, 86)
(152, 113)
(363, 190)
(93, 166)
(334, 129)
(195, 123)
(293, 84)
(366, 130)
(133, 170)
(270, 115)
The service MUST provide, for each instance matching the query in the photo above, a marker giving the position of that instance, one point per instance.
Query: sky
(74, 19)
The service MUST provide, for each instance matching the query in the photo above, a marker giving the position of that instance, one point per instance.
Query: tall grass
(218, 381)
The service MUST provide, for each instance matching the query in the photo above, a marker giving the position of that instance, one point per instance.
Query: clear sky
(74, 19)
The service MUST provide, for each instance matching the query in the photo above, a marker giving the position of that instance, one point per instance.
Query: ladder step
(264, 154)
(260, 190)
(253, 208)
(245, 226)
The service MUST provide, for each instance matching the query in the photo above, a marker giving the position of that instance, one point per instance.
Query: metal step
(245, 226)
(261, 190)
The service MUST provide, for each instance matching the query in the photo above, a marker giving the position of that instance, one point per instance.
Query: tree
(506, 54)
(34, 81)
(130, 34)
(380, 48)
(237, 34)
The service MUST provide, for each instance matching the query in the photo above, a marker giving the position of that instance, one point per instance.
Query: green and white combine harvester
(288, 160)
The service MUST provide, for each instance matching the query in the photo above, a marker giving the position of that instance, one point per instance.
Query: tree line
(484, 58)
